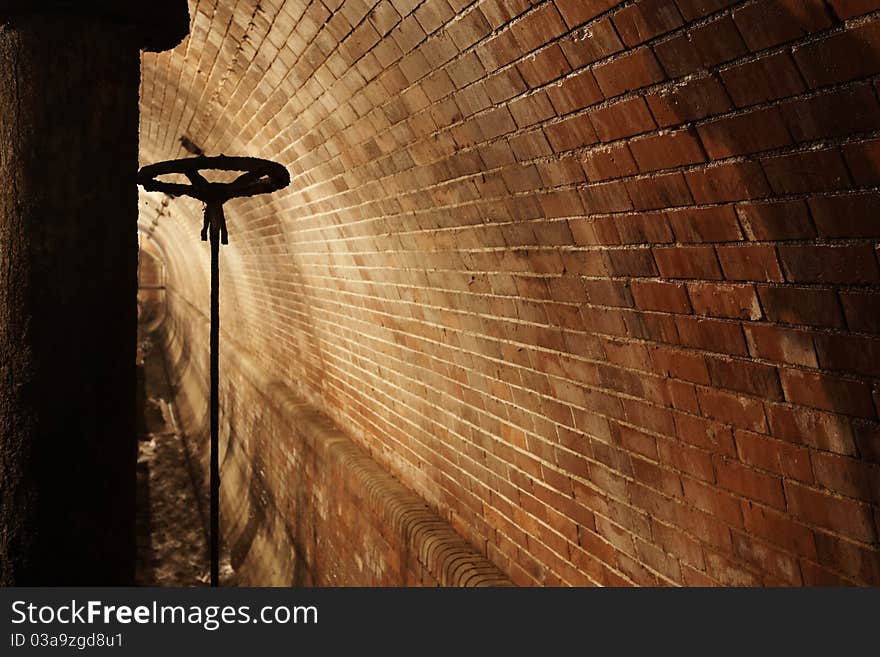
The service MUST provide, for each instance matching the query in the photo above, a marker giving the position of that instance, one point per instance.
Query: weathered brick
(769, 22)
(721, 300)
(862, 310)
(574, 93)
(634, 70)
(827, 392)
(712, 224)
(848, 476)
(776, 456)
(623, 119)
(749, 483)
(764, 79)
(786, 220)
(592, 43)
(855, 56)
(736, 410)
(607, 162)
(810, 171)
(749, 263)
(667, 297)
(666, 150)
(687, 262)
(853, 215)
(805, 426)
(661, 191)
(850, 518)
(818, 117)
(695, 99)
(736, 181)
(646, 19)
(711, 335)
(701, 47)
(807, 306)
(781, 345)
(829, 264)
(779, 529)
(745, 376)
(856, 354)
(752, 132)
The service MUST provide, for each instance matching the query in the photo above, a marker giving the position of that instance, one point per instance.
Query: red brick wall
(301, 504)
(596, 279)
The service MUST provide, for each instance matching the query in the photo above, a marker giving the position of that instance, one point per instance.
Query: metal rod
(259, 177)
(215, 384)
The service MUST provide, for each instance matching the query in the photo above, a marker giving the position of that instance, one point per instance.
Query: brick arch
(596, 279)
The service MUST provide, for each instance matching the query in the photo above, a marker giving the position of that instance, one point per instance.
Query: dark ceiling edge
(159, 24)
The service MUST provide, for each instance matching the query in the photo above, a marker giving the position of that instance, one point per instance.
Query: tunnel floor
(172, 514)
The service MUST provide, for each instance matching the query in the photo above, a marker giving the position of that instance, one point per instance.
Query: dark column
(68, 267)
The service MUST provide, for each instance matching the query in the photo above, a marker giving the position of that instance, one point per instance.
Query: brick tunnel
(562, 292)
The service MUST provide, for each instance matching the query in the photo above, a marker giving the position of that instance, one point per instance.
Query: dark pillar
(69, 76)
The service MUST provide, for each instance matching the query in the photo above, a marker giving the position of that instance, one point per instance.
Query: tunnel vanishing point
(561, 292)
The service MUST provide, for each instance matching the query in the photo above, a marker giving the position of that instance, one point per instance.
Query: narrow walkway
(172, 537)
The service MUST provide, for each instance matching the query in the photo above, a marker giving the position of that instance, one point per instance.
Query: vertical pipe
(215, 392)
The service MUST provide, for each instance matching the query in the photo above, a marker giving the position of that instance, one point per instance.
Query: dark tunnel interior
(560, 293)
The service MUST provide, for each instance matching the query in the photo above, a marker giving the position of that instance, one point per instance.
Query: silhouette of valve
(257, 177)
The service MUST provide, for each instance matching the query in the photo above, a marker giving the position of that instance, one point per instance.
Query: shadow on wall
(269, 531)
(261, 512)
(250, 511)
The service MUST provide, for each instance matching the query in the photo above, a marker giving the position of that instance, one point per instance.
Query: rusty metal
(258, 177)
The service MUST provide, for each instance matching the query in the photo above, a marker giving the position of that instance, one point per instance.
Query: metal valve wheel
(259, 177)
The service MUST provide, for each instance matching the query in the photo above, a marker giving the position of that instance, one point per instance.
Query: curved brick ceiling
(595, 278)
